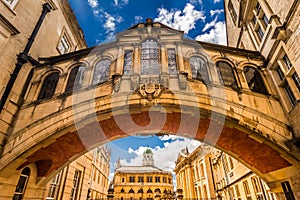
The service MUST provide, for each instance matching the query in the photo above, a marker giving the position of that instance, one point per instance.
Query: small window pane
(260, 32)
(296, 80)
(128, 62)
(49, 86)
(280, 73)
(198, 67)
(172, 61)
(287, 62)
(289, 93)
(265, 19)
(101, 72)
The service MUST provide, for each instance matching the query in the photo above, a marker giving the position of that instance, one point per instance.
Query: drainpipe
(23, 57)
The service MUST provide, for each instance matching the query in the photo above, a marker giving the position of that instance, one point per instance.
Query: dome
(148, 151)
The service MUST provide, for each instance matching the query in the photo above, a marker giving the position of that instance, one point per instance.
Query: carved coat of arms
(150, 91)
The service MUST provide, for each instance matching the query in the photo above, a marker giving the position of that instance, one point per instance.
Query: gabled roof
(149, 22)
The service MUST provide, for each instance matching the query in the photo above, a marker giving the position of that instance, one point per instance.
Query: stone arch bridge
(233, 110)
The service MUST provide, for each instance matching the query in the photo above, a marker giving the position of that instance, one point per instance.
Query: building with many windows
(208, 173)
(273, 29)
(24, 25)
(142, 182)
(194, 174)
(85, 178)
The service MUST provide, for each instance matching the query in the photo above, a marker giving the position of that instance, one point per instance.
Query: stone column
(136, 59)
(182, 68)
(119, 66)
(164, 58)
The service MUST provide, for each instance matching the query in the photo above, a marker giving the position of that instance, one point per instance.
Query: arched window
(101, 72)
(254, 80)
(49, 86)
(226, 74)
(149, 191)
(140, 190)
(75, 79)
(122, 190)
(131, 191)
(199, 69)
(20, 189)
(149, 57)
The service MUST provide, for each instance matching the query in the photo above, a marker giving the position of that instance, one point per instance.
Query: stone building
(85, 178)
(194, 174)
(151, 79)
(273, 29)
(99, 181)
(18, 20)
(142, 182)
(208, 173)
(232, 180)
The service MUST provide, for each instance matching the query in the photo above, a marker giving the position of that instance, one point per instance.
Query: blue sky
(102, 19)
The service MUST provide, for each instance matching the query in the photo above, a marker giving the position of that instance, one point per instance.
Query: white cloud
(182, 20)
(218, 11)
(216, 35)
(210, 24)
(93, 3)
(165, 157)
(138, 19)
(217, 1)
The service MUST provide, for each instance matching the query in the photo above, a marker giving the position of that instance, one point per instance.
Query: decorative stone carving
(150, 91)
(164, 80)
(182, 79)
(134, 82)
(117, 82)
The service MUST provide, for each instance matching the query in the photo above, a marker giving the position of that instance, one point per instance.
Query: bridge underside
(255, 153)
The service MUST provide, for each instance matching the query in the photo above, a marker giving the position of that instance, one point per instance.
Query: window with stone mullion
(149, 57)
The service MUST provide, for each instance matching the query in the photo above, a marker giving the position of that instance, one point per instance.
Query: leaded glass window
(226, 74)
(198, 67)
(172, 61)
(101, 72)
(49, 86)
(128, 62)
(254, 80)
(75, 79)
(149, 57)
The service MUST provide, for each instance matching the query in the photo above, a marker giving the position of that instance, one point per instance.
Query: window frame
(24, 174)
(203, 65)
(77, 81)
(64, 39)
(98, 67)
(11, 5)
(154, 55)
(53, 85)
(234, 83)
(76, 184)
